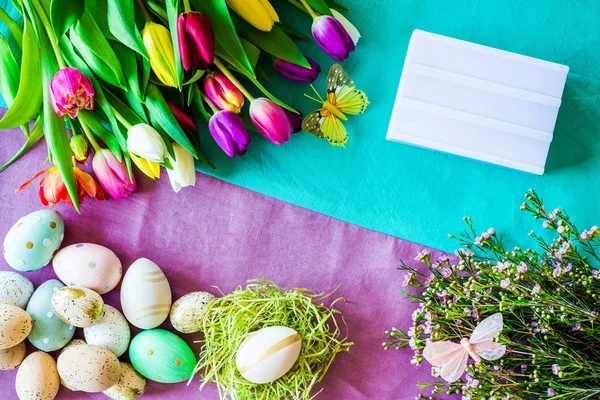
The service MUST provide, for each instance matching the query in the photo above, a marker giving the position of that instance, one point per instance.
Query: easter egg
(13, 356)
(49, 332)
(267, 354)
(72, 343)
(111, 332)
(130, 386)
(145, 294)
(89, 265)
(162, 356)
(15, 325)
(78, 306)
(33, 240)
(88, 368)
(15, 289)
(37, 377)
(187, 312)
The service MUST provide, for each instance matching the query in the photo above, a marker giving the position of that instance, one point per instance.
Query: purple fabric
(220, 234)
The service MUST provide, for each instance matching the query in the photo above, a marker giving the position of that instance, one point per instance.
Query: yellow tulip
(259, 13)
(149, 168)
(157, 41)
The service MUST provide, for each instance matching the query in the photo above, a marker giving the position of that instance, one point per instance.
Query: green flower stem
(14, 28)
(186, 6)
(233, 79)
(298, 5)
(210, 103)
(89, 136)
(143, 10)
(309, 9)
(121, 119)
(50, 32)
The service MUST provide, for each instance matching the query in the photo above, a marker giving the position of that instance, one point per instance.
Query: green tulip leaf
(172, 14)
(276, 42)
(130, 68)
(145, 75)
(121, 23)
(64, 13)
(320, 6)
(93, 122)
(99, 9)
(334, 4)
(28, 98)
(252, 51)
(123, 109)
(159, 10)
(136, 105)
(93, 47)
(160, 112)
(9, 72)
(196, 77)
(291, 31)
(195, 100)
(225, 32)
(36, 134)
(13, 27)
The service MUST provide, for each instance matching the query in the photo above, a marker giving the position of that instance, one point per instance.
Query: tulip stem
(143, 10)
(50, 32)
(298, 5)
(309, 9)
(233, 79)
(186, 6)
(210, 103)
(14, 28)
(89, 136)
(120, 118)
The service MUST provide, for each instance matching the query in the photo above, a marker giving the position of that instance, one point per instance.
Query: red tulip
(196, 40)
(182, 118)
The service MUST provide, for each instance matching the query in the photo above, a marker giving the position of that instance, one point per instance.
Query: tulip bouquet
(127, 81)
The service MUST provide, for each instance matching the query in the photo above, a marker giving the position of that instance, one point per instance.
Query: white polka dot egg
(33, 240)
(89, 265)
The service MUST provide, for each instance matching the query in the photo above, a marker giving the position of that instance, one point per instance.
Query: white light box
(477, 102)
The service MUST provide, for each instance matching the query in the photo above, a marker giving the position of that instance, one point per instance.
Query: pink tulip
(223, 93)
(196, 40)
(270, 120)
(112, 175)
(70, 91)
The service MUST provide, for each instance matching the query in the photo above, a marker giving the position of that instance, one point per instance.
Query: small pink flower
(555, 369)
(505, 283)
(70, 91)
(446, 272)
(576, 327)
(536, 289)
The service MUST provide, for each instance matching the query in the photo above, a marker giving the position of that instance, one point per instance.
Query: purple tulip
(230, 133)
(112, 175)
(297, 73)
(295, 119)
(70, 91)
(332, 37)
(270, 120)
(196, 40)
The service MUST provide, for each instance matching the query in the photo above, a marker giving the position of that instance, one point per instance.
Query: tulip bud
(70, 91)
(182, 118)
(79, 147)
(230, 133)
(183, 173)
(112, 175)
(157, 41)
(196, 40)
(270, 120)
(297, 73)
(295, 119)
(258, 13)
(332, 37)
(351, 29)
(223, 93)
(144, 141)
(149, 168)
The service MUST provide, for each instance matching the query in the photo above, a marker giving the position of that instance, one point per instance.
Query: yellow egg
(37, 377)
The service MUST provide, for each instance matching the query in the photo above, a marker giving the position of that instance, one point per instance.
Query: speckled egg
(15, 289)
(33, 240)
(187, 312)
(89, 265)
(131, 385)
(111, 332)
(13, 356)
(49, 332)
(72, 343)
(145, 294)
(162, 356)
(15, 325)
(88, 368)
(37, 377)
(78, 306)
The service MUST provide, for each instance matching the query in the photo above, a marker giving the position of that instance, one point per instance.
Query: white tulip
(351, 29)
(183, 173)
(144, 141)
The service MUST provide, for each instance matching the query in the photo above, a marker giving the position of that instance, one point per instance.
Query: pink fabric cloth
(223, 235)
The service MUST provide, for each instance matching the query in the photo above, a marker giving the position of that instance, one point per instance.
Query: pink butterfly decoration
(453, 357)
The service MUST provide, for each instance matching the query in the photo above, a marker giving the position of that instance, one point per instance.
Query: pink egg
(89, 265)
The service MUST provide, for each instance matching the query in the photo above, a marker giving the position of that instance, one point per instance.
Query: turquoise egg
(162, 356)
(33, 240)
(49, 332)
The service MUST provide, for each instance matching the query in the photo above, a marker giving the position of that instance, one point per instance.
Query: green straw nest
(230, 319)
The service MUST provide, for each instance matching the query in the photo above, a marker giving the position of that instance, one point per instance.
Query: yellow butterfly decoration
(342, 98)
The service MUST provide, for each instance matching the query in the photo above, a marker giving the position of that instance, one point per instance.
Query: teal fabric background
(417, 194)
